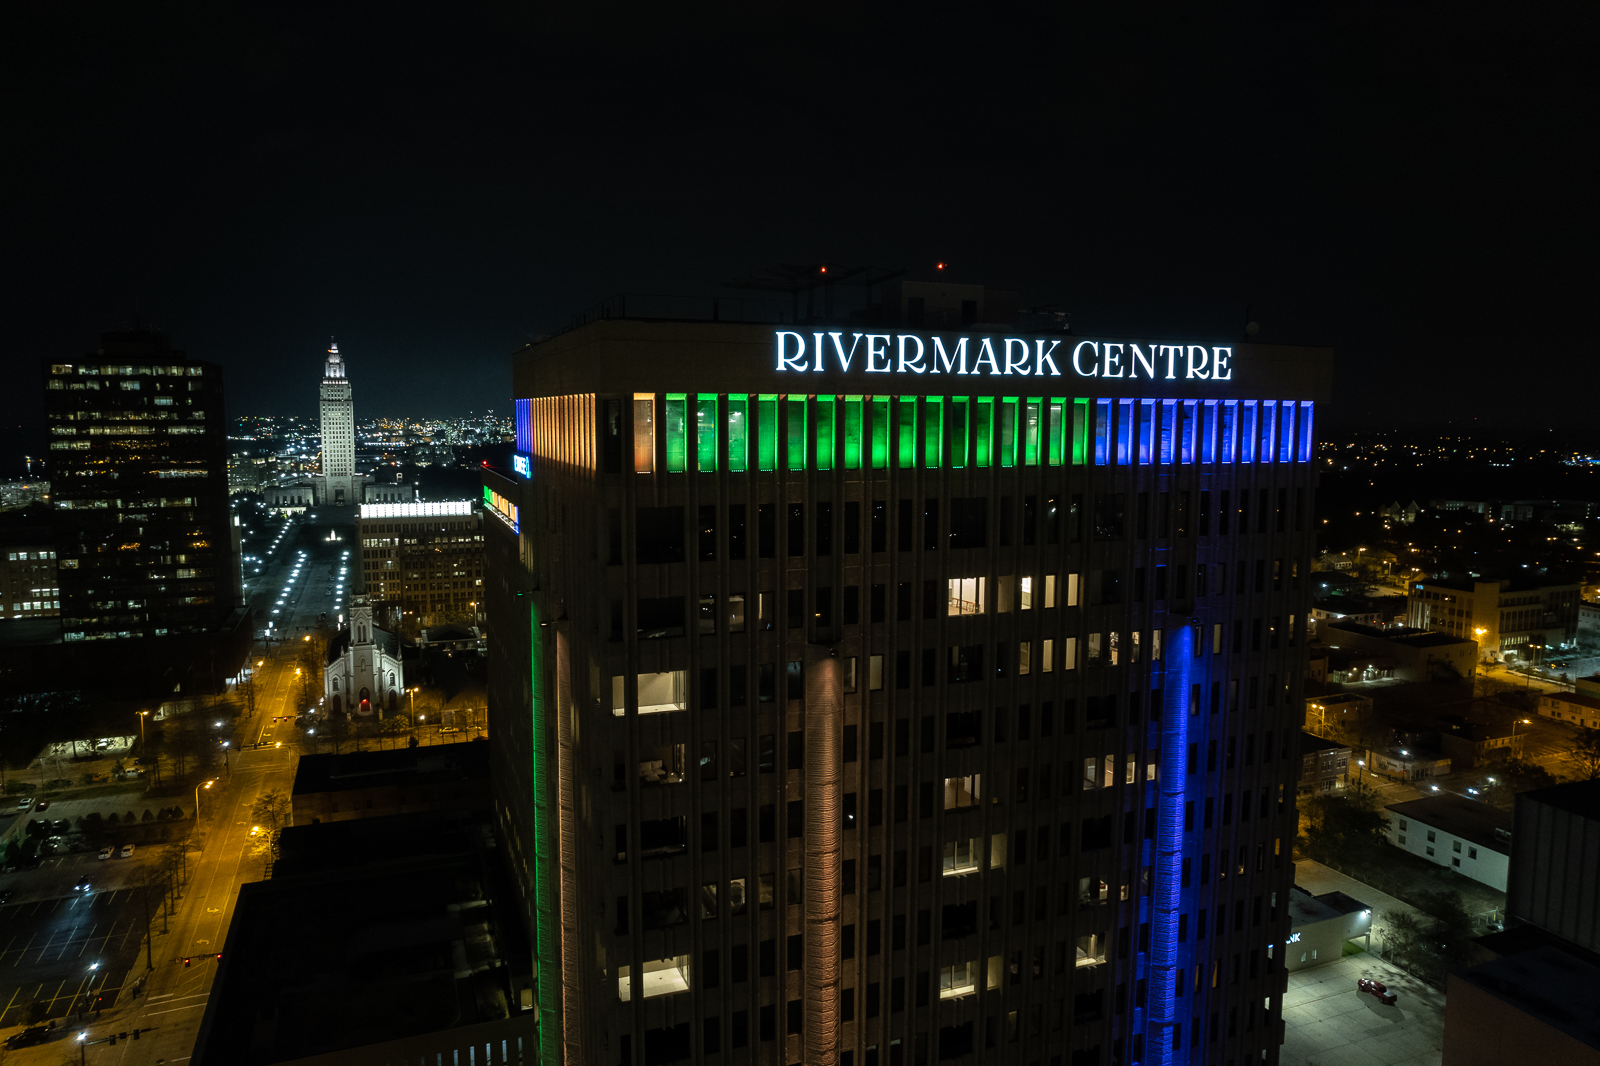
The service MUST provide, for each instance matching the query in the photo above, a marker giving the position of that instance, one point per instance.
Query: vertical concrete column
(824, 728)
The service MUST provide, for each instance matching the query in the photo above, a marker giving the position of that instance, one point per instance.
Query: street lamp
(142, 716)
(197, 789)
(1514, 721)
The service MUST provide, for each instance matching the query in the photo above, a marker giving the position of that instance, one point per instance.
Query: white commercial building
(1471, 838)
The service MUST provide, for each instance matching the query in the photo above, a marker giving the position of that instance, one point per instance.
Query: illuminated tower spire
(340, 485)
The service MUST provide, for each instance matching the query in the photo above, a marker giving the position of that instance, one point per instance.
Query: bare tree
(1586, 752)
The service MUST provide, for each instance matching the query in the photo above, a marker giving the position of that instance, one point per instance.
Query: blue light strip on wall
(1179, 699)
(524, 412)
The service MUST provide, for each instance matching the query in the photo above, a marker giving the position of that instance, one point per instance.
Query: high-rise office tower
(138, 449)
(881, 697)
(339, 483)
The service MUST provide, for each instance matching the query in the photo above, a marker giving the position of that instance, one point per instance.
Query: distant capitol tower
(339, 482)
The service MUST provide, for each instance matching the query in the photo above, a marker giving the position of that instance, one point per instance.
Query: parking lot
(69, 952)
(1329, 1023)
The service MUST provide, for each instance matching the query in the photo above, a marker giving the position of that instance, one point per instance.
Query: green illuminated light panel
(766, 432)
(797, 433)
(705, 432)
(852, 432)
(825, 435)
(933, 432)
(906, 445)
(958, 432)
(547, 943)
(1008, 431)
(1057, 431)
(677, 433)
(880, 434)
(738, 432)
(1031, 411)
(983, 432)
(1080, 431)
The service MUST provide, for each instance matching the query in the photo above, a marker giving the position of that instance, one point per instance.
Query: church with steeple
(364, 674)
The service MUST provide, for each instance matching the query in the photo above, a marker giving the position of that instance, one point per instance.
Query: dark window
(824, 611)
(766, 531)
(661, 618)
(902, 669)
(797, 529)
(1030, 520)
(708, 688)
(767, 685)
(766, 753)
(849, 743)
(796, 750)
(880, 525)
(613, 536)
(903, 522)
(824, 529)
(659, 535)
(738, 827)
(1008, 520)
(875, 741)
(736, 531)
(933, 598)
(1075, 518)
(930, 525)
(966, 663)
(796, 819)
(876, 607)
(796, 681)
(852, 527)
(796, 604)
(969, 522)
(611, 436)
(738, 685)
(708, 533)
(852, 605)
(1108, 515)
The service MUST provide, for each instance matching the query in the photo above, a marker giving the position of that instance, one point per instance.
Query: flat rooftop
(1411, 638)
(1462, 817)
(1306, 909)
(387, 941)
(1310, 742)
(1578, 797)
(1549, 984)
(396, 766)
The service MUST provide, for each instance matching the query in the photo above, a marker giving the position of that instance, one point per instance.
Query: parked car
(82, 885)
(61, 825)
(1377, 989)
(6, 895)
(34, 1034)
(44, 805)
(127, 851)
(105, 852)
(25, 804)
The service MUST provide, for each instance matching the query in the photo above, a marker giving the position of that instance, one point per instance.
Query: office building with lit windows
(883, 698)
(138, 448)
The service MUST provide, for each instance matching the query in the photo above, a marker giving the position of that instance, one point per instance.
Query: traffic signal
(186, 963)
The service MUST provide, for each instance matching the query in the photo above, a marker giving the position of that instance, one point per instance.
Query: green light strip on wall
(933, 432)
(959, 417)
(547, 983)
(880, 434)
(767, 432)
(796, 453)
(705, 432)
(677, 432)
(1080, 431)
(825, 437)
(1032, 411)
(983, 432)
(1058, 410)
(852, 432)
(738, 431)
(906, 419)
(1008, 431)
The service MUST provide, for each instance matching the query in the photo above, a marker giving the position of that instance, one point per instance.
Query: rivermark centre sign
(917, 353)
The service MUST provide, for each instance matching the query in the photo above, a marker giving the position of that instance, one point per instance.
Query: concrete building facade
(1508, 619)
(423, 560)
(1471, 838)
(1401, 653)
(847, 714)
(29, 587)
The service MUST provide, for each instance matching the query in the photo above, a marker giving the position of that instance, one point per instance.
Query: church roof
(386, 641)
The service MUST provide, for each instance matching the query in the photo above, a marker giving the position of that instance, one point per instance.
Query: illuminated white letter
(1149, 362)
(986, 355)
(1019, 366)
(1044, 357)
(1077, 367)
(1197, 370)
(1111, 359)
(838, 348)
(797, 361)
(955, 362)
(913, 365)
(816, 346)
(1171, 351)
(1221, 368)
(877, 347)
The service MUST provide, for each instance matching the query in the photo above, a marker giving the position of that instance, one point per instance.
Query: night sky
(434, 184)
